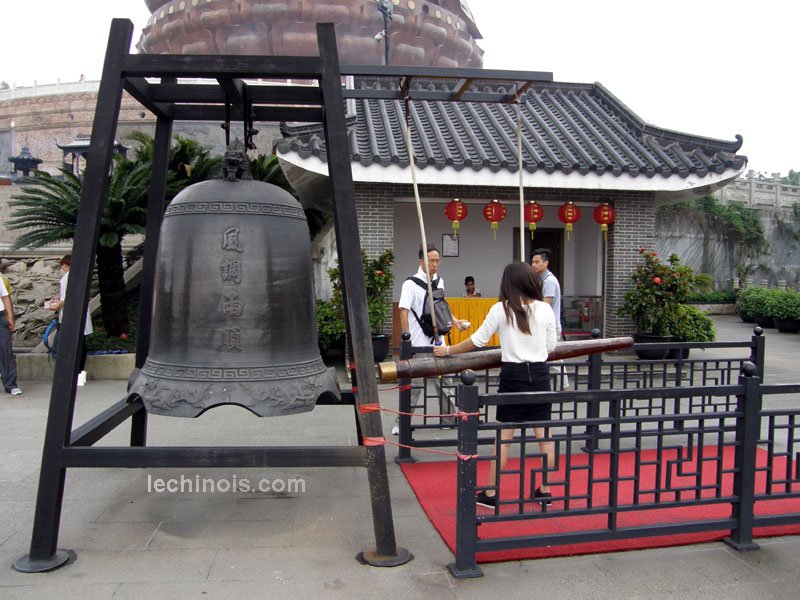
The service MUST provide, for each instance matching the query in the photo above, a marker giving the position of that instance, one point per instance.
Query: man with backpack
(415, 319)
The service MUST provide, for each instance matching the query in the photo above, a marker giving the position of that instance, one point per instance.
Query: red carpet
(434, 483)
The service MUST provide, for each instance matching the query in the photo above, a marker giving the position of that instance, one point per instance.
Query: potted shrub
(783, 306)
(691, 325)
(757, 305)
(330, 326)
(745, 304)
(378, 281)
(652, 303)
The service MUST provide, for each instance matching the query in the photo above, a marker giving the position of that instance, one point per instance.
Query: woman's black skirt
(523, 377)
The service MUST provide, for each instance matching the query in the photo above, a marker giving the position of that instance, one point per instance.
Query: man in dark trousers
(551, 290)
(8, 363)
(412, 300)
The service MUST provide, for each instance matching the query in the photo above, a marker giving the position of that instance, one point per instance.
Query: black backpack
(444, 316)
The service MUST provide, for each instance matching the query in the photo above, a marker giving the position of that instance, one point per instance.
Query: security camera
(379, 37)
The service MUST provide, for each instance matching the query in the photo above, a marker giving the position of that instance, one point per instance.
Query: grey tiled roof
(567, 128)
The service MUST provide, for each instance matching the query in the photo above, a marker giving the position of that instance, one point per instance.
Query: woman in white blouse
(57, 304)
(526, 327)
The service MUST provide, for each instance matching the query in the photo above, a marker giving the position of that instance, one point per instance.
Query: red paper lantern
(533, 214)
(494, 212)
(569, 214)
(456, 211)
(604, 215)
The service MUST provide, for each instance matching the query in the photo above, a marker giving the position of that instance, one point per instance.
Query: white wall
(484, 258)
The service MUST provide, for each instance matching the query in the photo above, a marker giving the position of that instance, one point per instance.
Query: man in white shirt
(412, 300)
(8, 363)
(551, 290)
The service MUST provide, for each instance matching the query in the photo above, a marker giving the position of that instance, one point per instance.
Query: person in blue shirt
(551, 290)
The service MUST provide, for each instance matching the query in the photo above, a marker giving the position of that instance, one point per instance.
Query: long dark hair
(519, 283)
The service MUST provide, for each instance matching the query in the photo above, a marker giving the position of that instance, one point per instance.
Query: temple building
(581, 145)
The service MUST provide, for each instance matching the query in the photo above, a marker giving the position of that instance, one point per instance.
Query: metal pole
(466, 518)
(386, 553)
(404, 405)
(155, 215)
(386, 39)
(44, 554)
(748, 427)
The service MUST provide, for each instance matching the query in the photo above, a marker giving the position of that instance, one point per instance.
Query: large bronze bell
(233, 307)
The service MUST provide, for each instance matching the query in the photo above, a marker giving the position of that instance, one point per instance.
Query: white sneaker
(16, 391)
(82, 378)
(396, 430)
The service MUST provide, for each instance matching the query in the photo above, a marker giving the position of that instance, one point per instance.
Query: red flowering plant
(658, 289)
(378, 281)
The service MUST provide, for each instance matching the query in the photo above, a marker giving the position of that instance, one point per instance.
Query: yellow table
(473, 310)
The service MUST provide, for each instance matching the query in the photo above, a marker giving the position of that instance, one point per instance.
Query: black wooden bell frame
(231, 98)
(169, 101)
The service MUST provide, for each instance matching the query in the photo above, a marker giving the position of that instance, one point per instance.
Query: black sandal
(545, 498)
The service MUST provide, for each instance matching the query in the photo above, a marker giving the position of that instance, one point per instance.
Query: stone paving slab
(132, 542)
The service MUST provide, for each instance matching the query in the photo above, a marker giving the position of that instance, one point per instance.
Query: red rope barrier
(368, 441)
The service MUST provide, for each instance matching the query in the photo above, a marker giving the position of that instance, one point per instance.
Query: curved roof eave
(666, 188)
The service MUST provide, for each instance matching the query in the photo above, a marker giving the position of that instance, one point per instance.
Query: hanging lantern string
(420, 220)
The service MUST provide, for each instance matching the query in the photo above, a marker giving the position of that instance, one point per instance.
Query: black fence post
(595, 365)
(466, 514)
(757, 346)
(748, 428)
(404, 404)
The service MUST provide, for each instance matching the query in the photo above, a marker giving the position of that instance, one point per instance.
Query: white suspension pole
(521, 187)
(420, 220)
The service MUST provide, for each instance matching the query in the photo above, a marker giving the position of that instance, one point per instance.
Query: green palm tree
(47, 209)
(189, 162)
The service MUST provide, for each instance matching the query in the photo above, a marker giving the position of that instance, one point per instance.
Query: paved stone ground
(132, 542)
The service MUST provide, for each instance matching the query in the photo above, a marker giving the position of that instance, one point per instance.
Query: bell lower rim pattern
(266, 398)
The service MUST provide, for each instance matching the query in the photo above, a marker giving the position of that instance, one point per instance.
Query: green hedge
(715, 297)
(782, 304)
(752, 301)
(693, 325)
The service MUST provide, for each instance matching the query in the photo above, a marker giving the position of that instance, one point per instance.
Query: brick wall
(634, 228)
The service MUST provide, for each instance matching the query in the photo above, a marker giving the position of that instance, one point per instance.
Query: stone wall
(40, 117)
(760, 193)
(33, 280)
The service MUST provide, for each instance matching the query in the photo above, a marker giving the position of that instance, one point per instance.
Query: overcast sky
(706, 67)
